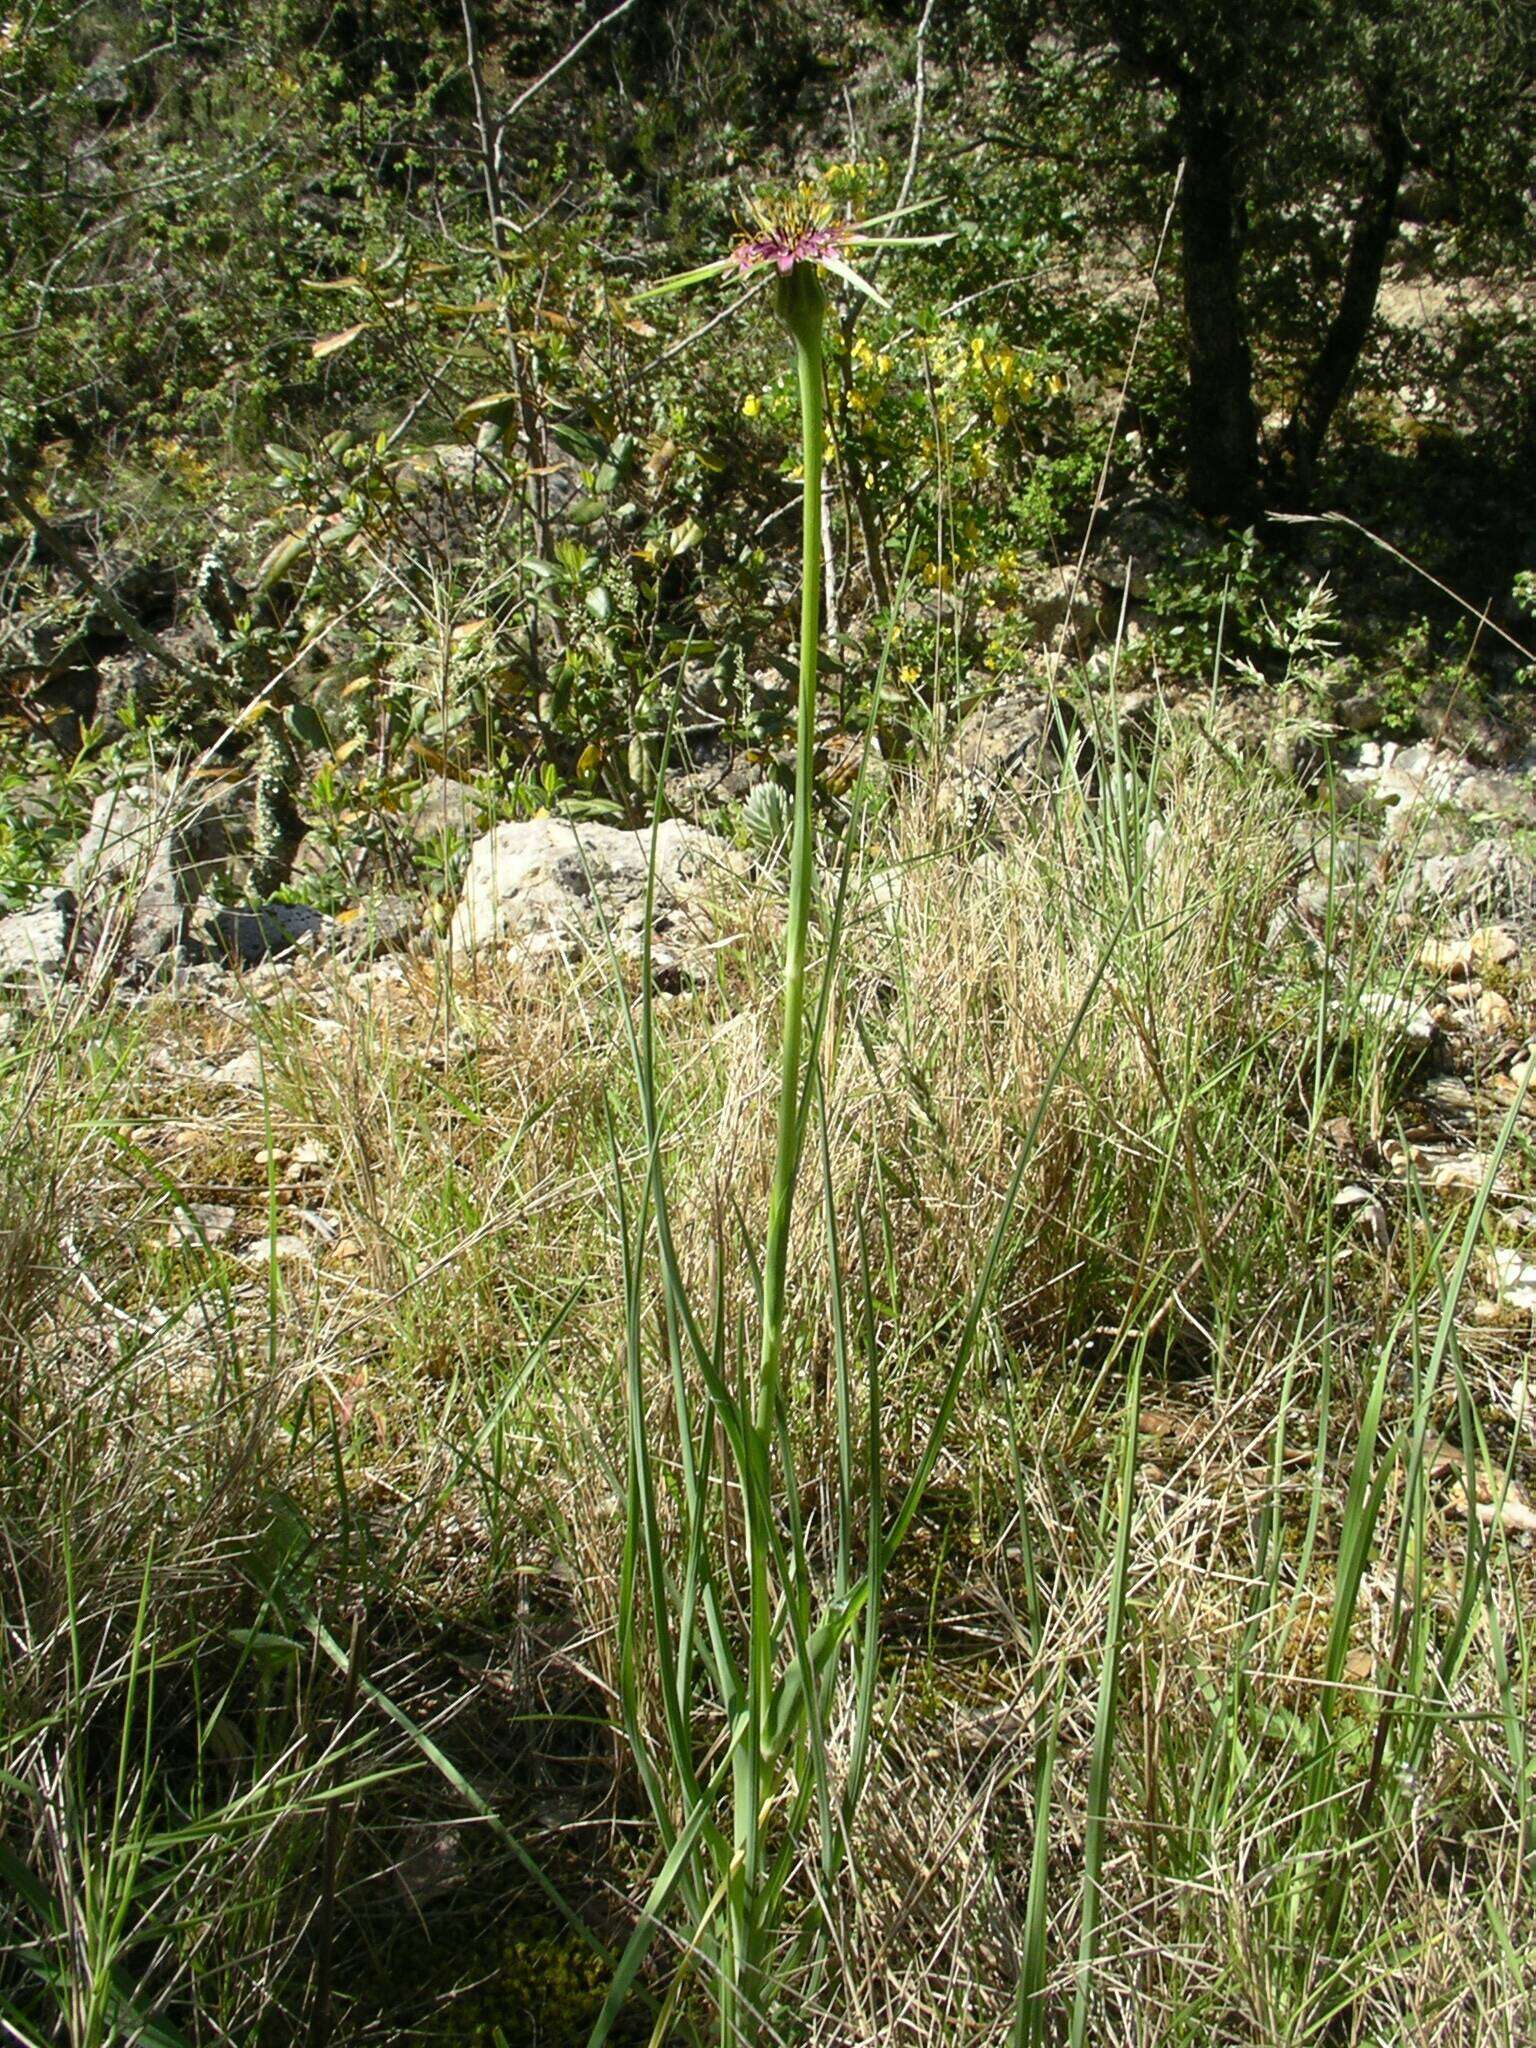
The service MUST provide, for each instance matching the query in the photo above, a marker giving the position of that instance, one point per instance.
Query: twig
(556, 68)
(1473, 611)
(919, 103)
(116, 611)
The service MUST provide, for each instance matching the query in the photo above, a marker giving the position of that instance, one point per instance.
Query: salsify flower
(797, 233)
(788, 240)
(788, 244)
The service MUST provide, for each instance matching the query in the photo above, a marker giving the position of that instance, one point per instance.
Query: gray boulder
(243, 938)
(146, 856)
(133, 871)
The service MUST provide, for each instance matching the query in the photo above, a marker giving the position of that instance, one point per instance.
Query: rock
(35, 944)
(244, 938)
(202, 1223)
(442, 805)
(145, 857)
(1494, 1014)
(1063, 608)
(1515, 1278)
(1407, 781)
(545, 877)
(1399, 1016)
(1462, 957)
(243, 1074)
(384, 924)
(1010, 751)
(1490, 876)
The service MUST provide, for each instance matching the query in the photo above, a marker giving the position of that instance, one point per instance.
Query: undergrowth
(1200, 1703)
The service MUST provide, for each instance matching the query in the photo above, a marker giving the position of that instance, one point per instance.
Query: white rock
(242, 1074)
(284, 1248)
(1398, 1014)
(34, 944)
(202, 1223)
(1516, 1277)
(544, 875)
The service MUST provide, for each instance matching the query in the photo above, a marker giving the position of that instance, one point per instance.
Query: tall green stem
(801, 305)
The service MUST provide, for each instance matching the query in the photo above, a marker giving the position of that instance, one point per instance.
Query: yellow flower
(751, 405)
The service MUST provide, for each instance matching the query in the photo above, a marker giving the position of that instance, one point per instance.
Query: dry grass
(341, 1337)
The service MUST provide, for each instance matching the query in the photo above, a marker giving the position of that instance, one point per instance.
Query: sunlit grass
(1198, 1708)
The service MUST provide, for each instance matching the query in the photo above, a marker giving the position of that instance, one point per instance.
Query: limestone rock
(1490, 876)
(35, 944)
(131, 870)
(1007, 752)
(1408, 781)
(382, 924)
(444, 805)
(544, 877)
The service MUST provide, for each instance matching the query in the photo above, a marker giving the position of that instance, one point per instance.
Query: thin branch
(95, 589)
(919, 103)
(556, 68)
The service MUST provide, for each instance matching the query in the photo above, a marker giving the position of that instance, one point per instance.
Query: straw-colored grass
(314, 1521)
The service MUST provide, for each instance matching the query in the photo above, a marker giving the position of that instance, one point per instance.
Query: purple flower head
(786, 231)
(793, 237)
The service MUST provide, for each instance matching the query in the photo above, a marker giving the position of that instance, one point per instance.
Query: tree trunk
(1223, 420)
(1333, 370)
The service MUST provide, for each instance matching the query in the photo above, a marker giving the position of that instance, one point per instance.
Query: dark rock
(1359, 713)
(1064, 609)
(1137, 539)
(244, 938)
(384, 924)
